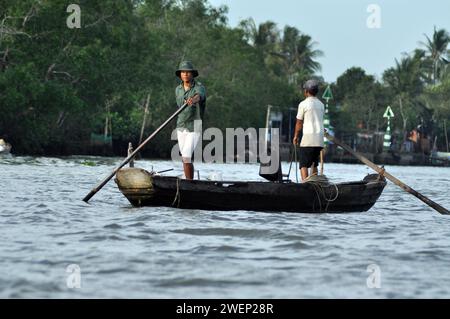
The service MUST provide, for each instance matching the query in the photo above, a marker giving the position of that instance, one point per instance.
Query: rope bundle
(320, 183)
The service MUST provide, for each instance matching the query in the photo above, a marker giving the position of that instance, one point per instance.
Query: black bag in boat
(271, 170)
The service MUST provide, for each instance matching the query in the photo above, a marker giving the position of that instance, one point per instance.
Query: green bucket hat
(186, 66)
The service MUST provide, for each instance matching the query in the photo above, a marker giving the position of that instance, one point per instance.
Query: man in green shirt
(193, 93)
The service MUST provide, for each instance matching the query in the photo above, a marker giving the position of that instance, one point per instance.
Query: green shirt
(191, 113)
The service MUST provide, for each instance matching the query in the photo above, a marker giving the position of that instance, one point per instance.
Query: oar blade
(393, 179)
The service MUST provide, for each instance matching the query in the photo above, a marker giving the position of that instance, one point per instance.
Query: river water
(399, 249)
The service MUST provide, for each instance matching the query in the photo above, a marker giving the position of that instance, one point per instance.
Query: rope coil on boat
(320, 182)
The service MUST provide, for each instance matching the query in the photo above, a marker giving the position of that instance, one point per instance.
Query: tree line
(417, 88)
(58, 85)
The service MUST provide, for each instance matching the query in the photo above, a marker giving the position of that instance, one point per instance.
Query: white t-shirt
(311, 111)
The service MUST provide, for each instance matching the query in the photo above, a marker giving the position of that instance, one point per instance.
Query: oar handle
(132, 155)
(393, 179)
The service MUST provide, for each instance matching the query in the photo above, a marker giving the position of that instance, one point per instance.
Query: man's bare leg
(304, 173)
(188, 168)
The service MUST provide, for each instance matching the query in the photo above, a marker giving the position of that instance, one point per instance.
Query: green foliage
(361, 100)
(417, 88)
(58, 85)
(439, 97)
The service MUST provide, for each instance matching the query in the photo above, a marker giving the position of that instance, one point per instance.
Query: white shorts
(187, 141)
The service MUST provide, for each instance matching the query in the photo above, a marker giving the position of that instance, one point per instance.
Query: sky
(341, 27)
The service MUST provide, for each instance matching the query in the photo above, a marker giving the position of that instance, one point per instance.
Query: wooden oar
(132, 155)
(394, 180)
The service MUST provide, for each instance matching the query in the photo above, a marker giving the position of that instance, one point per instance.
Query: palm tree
(293, 54)
(437, 49)
(263, 37)
(298, 53)
(407, 75)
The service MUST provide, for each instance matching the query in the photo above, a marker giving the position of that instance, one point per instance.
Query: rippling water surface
(124, 252)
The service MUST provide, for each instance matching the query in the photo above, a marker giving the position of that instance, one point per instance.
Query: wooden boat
(143, 188)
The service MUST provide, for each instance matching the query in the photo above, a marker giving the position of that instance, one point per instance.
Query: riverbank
(338, 157)
(396, 159)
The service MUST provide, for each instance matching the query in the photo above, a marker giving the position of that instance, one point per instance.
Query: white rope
(177, 195)
(320, 182)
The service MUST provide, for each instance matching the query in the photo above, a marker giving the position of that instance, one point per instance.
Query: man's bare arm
(298, 129)
(193, 100)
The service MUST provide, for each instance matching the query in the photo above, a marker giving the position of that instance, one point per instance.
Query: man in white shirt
(310, 123)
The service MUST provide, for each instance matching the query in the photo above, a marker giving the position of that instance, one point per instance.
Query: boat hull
(143, 189)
